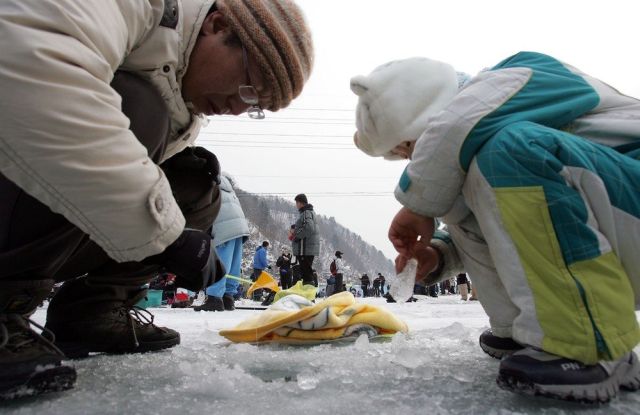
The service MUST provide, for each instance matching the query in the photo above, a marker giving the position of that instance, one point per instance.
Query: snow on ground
(437, 369)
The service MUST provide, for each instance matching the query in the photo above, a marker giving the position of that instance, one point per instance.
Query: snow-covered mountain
(271, 217)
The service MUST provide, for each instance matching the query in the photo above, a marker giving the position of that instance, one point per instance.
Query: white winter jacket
(231, 222)
(63, 137)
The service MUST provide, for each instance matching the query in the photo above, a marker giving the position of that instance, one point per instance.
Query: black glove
(194, 176)
(194, 159)
(193, 259)
(211, 163)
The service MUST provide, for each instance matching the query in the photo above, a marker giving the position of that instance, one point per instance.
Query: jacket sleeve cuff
(167, 225)
(450, 264)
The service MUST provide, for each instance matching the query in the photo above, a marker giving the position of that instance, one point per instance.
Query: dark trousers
(365, 290)
(339, 283)
(285, 278)
(306, 261)
(36, 243)
(296, 274)
(257, 294)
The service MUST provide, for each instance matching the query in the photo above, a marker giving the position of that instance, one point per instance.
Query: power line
(279, 147)
(274, 134)
(317, 177)
(277, 142)
(312, 121)
(274, 116)
(322, 109)
(326, 194)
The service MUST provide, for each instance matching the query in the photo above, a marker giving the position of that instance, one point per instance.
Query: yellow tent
(264, 280)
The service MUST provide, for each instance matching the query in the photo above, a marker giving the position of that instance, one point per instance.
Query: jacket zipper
(601, 345)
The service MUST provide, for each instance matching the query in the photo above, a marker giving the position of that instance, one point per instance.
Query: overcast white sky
(308, 147)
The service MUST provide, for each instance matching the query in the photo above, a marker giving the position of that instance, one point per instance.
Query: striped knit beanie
(276, 35)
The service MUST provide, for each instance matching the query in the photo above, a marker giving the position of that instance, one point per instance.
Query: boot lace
(22, 335)
(140, 317)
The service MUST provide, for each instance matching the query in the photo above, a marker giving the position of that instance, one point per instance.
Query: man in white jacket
(101, 103)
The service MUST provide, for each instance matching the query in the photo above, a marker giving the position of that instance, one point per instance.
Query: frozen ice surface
(402, 284)
(438, 368)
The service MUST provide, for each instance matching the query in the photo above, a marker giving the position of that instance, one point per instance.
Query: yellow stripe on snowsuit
(571, 302)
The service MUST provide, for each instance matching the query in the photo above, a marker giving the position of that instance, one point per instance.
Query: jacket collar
(194, 12)
(308, 206)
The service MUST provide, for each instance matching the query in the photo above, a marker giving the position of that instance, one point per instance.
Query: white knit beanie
(396, 100)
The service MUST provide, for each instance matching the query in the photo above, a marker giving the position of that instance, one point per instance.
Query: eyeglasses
(248, 93)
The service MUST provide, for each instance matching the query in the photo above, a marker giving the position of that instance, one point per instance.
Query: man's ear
(214, 22)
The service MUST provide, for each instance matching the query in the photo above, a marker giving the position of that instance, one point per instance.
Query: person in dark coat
(376, 287)
(284, 264)
(306, 239)
(382, 284)
(364, 284)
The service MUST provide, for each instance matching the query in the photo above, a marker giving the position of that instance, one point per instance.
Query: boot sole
(82, 350)
(497, 353)
(56, 379)
(626, 377)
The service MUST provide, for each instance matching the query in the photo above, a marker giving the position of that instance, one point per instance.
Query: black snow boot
(211, 303)
(29, 362)
(498, 347)
(88, 317)
(534, 372)
(229, 302)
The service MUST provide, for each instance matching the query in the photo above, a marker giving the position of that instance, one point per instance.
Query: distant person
(473, 290)
(534, 166)
(452, 285)
(376, 286)
(331, 285)
(260, 260)
(296, 272)
(383, 282)
(306, 239)
(260, 263)
(337, 271)
(364, 284)
(463, 285)
(230, 231)
(432, 290)
(284, 267)
(239, 294)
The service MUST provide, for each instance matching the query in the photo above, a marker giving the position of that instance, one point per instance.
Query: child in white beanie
(534, 168)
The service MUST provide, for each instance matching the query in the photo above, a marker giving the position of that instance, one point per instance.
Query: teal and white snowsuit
(534, 167)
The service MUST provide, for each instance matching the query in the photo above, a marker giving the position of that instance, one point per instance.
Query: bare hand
(410, 235)
(407, 229)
